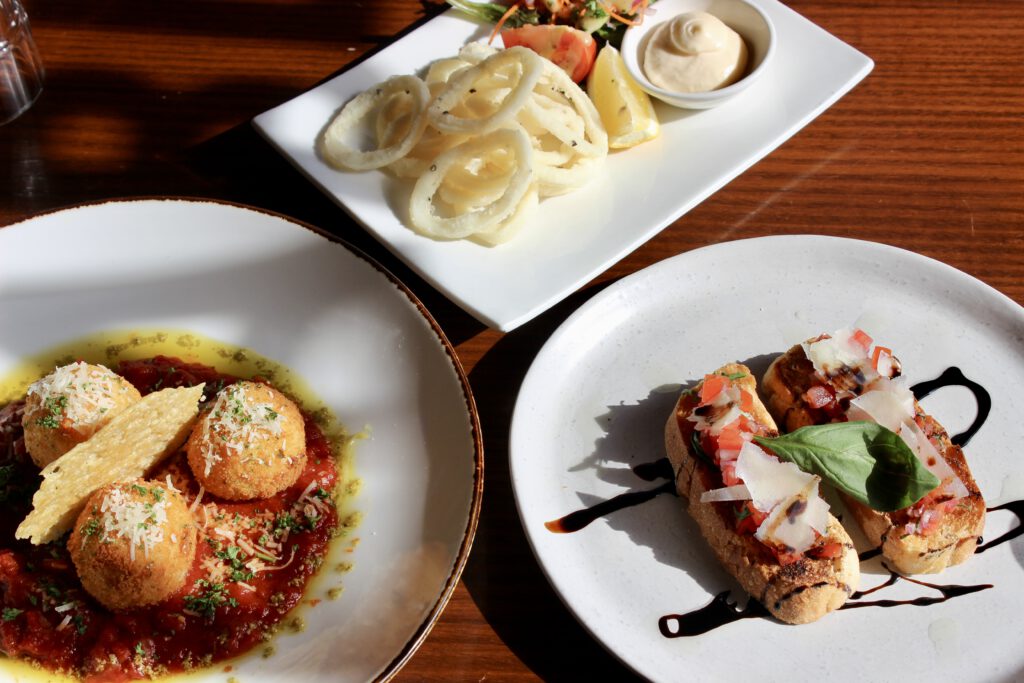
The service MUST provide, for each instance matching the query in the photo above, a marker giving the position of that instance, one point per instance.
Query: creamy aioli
(694, 52)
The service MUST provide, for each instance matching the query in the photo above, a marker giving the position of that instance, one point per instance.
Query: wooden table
(147, 99)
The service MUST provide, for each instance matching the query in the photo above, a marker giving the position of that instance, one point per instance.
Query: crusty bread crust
(797, 593)
(951, 543)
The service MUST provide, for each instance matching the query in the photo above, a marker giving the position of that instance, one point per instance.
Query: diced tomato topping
(729, 477)
(877, 355)
(752, 519)
(860, 337)
(746, 401)
(571, 49)
(731, 437)
(819, 396)
(713, 385)
(787, 558)
(827, 550)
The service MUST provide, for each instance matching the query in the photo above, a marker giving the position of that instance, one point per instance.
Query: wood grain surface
(147, 98)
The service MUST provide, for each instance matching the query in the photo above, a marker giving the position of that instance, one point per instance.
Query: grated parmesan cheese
(237, 421)
(141, 523)
(87, 390)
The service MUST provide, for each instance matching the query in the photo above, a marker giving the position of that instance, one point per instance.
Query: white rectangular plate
(576, 236)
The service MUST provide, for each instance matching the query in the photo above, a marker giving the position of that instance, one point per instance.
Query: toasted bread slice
(955, 539)
(796, 593)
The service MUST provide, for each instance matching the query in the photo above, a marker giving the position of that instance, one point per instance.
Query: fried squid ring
(442, 112)
(556, 91)
(339, 152)
(486, 218)
(556, 180)
(511, 226)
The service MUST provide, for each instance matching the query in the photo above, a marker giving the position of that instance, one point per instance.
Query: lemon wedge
(625, 109)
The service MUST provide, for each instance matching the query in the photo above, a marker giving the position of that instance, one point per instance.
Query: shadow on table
(502, 575)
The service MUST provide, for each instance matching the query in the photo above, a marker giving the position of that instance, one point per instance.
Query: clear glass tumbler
(21, 70)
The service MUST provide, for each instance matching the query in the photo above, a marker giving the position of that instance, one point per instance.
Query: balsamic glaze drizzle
(574, 521)
(648, 471)
(1017, 508)
(952, 377)
(948, 592)
(718, 612)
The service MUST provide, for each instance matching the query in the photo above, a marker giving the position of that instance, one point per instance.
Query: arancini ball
(69, 405)
(250, 444)
(133, 544)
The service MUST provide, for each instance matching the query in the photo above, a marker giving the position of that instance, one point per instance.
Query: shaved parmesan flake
(770, 480)
(789, 496)
(936, 464)
(832, 355)
(729, 493)
(889, 404)
(793, 523)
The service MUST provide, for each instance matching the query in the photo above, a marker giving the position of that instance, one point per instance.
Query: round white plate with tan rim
(358, 338)
(594, 404)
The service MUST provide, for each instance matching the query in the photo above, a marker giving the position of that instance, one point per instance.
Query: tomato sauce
(225, 607)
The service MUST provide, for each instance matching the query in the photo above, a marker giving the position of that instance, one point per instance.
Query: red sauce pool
(214, 616)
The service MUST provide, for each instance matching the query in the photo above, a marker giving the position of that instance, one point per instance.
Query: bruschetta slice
(762, 517)
(845, 376)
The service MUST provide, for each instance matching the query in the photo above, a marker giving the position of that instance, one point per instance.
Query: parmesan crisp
(135, 441)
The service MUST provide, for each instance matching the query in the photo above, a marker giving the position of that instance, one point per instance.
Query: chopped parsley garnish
(79, 621)
(55, 409)
(138, 649)
(286, 522)
(742, 513)
(11, 613)
(141, 490)
(212, 596)
(92, 527)
(733, 376)
(236, 559)
(271, 413)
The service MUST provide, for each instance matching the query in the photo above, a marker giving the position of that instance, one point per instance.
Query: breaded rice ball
(251, 443)
(69, 405)
(133, 544)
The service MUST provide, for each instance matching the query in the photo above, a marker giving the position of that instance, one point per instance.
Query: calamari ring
(489, 217)
(470, 187)
(511, 226)
(556, 180)
(442, 112)
(557, 86)
(339, 153)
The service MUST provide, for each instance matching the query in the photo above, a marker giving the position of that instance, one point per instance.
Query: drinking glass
(21, 71)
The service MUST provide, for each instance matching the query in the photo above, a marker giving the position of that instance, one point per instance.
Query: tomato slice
(567, 47)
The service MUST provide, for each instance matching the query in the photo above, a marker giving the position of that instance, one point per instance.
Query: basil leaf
(865, 460)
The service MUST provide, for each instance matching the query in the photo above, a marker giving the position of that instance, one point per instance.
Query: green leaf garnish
(865, 460)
